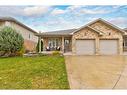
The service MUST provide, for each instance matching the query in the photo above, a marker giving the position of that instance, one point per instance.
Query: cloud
(72, 8)
(36, 10)
(11, 10)
(116, 6)
(95, 11)
(57, 11)
(120, 21)
(56, 17)
(86, 10)
(58, 23)
(82, 10)
(26, 11)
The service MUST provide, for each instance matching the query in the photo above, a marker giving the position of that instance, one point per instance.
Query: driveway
(97, 72)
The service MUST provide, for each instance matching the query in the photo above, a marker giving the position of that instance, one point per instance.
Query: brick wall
(30, 45)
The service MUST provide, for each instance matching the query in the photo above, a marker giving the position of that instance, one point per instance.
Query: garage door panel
(108, 47)
(85, 47)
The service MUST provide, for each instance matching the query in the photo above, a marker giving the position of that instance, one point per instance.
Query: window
(54, 42)
(125, 42)
(66, 41)
(109, 33)
(29, 36)
(7, 23)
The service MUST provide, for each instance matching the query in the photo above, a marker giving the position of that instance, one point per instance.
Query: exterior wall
(2, 23)
(108, 33)
(30, 45)
(25, 32)
(29, 42)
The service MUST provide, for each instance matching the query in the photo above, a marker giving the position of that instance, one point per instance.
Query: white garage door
(108, 47)
(85, 47)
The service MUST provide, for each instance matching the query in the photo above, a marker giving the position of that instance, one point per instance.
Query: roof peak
(102, 20)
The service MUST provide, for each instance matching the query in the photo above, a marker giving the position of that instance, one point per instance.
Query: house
(98, 37)
(30, 40)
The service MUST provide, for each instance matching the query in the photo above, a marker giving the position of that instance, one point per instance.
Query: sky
(51, 18)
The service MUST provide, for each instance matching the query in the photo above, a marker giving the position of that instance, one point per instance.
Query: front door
(67, 45)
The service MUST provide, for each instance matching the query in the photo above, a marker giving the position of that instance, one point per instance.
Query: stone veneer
(108, 33)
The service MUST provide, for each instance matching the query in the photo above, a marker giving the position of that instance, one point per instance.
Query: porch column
(39, 44)
(62, 43)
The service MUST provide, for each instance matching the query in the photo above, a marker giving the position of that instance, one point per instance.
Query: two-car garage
(88, 47)
(98, 38)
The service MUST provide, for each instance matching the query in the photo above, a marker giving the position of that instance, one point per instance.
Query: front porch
(55, 43)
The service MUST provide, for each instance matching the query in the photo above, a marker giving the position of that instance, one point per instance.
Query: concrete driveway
(97, 72)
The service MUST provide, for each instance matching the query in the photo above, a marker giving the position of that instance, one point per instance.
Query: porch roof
(67, 32)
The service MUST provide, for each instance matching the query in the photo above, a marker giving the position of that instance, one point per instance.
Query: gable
(99, 28)
(85, 33)
(108, 30)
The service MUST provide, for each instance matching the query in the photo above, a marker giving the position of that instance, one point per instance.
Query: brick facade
(30, 45)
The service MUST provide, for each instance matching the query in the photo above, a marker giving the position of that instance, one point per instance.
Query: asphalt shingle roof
(16, 21)
(59, 32)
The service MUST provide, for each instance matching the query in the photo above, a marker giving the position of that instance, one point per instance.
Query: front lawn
(44, 72)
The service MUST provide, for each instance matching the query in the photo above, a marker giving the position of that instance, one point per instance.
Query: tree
(37, 47)
(10, 41)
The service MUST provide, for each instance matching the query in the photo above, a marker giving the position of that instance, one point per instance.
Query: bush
(11, 42)
(21, 52)
(37, 47)
(27, 51)
(56, 53)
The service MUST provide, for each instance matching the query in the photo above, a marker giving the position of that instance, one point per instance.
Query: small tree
(37, 47)
(10, 41)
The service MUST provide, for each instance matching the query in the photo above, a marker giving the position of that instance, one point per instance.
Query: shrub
(56, 53)
(21, 52)
(11, 42)
(37, 47)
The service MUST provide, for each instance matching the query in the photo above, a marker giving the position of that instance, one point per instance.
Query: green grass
(44, 72)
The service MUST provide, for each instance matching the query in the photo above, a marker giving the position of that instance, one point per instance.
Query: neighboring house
(30, 40)
(96, 38)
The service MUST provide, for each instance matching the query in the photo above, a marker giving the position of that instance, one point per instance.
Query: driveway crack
(120, 75)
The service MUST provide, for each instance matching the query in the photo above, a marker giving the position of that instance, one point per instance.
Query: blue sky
(49, 18)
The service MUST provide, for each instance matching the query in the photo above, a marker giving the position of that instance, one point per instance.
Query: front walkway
(97, 72)
(50, 52)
